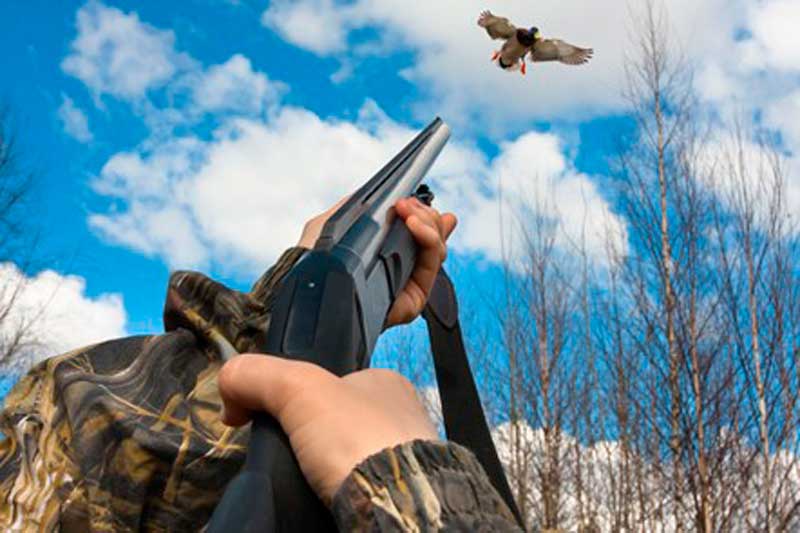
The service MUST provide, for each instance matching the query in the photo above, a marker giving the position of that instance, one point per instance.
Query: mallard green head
(528, 37)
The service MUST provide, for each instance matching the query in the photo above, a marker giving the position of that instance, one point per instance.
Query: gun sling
(464, 419)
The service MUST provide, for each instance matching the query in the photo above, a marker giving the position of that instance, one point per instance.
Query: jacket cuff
(420, 486)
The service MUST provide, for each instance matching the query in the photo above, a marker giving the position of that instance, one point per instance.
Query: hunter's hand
(430, 229)
(333, 423)
(313, 226)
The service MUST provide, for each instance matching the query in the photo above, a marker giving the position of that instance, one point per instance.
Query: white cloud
(158, 220)
(532, 174)
(742, 175)
(74, 120)
(775, 41)
(233, 86)
(756, 82)
(761, 69)
(747, 55)
(315, 25)
(117, 54)
(451, 53)
(240, 199)
(55, 313)
(784, 114)
(246, 194)
(237, 199)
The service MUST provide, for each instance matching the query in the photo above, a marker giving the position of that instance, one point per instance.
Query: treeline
(657, 390)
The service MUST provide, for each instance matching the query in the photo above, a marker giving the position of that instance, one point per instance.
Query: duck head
(529, 37)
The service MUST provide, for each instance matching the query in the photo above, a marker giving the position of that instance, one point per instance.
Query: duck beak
(537, 35)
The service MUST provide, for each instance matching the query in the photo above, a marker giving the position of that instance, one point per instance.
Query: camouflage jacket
(126, 435)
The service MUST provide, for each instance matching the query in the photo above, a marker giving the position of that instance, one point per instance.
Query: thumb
(255, 382)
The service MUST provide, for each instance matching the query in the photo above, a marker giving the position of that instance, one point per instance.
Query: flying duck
(519, 42)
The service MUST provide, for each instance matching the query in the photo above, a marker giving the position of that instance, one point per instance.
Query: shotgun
(330, 310)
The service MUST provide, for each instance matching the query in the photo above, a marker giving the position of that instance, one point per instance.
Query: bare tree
(17, 242)
(758, 245)
(658, 91)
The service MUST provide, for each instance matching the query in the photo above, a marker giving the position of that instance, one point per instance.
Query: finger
(427, 236)
(449, 223)
(235, 416)
(429, 229)
(408, 305)
(445, 223)
(431, 254)
(426, 213)
(410, 206)
(404, 207)
(429, 215)
(253, 382)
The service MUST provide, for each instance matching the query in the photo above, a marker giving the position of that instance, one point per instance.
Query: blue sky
(201, 134)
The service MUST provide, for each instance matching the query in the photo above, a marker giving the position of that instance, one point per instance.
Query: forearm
(421, 486)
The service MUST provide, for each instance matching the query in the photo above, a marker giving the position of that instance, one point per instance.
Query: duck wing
(558, 50)
(496, 27)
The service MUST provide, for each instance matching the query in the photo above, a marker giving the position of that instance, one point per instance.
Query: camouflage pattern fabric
(125, 435)
(421, 486)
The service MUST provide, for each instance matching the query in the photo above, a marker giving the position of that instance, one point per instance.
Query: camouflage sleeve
(421, 486)
(125, 435)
